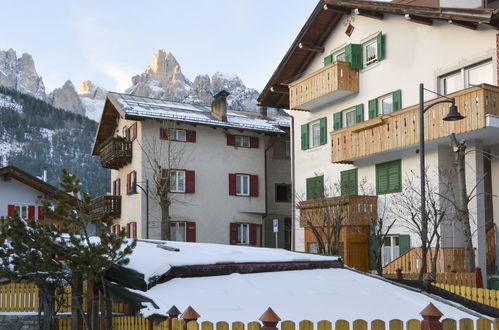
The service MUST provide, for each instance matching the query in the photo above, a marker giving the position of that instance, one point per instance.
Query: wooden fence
(483, 296)
(460, 279)
(449, 259)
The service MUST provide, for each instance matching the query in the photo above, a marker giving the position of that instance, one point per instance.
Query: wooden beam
(369, 13)
(468, 25)
(336, 9)
(419, 19)
(279, 89)
(311, 47)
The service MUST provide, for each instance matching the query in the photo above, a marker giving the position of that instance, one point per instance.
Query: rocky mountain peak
(66, 98)
(90, 90)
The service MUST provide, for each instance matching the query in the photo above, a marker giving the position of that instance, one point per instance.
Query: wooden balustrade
(401, 128)
(322, 86)
(449, 259)
(116, 154)
(106, 206)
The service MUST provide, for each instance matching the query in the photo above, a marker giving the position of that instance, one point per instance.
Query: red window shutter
(134, 229)
(118, 187)
(191, 232)
(163, 133)
(232, 184)
(31, 212)
(233, 233)
(254, 185)
(253, 142)
(114, 187)
(252, 234)
(164, 173)
(128, 230)
(40, 213)
(191, 136)
(231, 140)
(134, 131)
(190, 181)
(10, 210)
(128, 184)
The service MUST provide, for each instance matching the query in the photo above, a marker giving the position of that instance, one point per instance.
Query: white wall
(17, 193)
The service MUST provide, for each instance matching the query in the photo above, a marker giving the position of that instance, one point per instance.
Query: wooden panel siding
(116, 154)
(106, 206)
(449, 259)
(325, 85)
(401, 128)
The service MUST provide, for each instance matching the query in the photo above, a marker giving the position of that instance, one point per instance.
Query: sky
(109, 41)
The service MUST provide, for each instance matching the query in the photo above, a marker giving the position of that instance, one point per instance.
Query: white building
(229, 170)
(354, 70)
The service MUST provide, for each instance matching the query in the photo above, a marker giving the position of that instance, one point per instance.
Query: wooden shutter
(118, 187)
(323, 131)
(381, 179)
(163, 133)
(231, 140)
(10, 210)
(254, 185)
(348, 182)
(191, 232)
(397, 100)
(359, 113)
(353, 54)
(372, 106)
(133, 226)
(128, 230)
(31, 212)
(191, 136)
(190, 183)
(128, 183)
(253, 142)
(372, 245)
(380, 41)
(126, 133)
(404, 244)
(394, 176)
(337, 121)
(252, 234)
(315, 187)
(40, 213)
(232, 184)
(134, 131)
(233, 233)
(328, 60)
(304, 137)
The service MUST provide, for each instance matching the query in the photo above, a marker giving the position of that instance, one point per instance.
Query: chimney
(44, 177)
(263, 112)
(219, 106)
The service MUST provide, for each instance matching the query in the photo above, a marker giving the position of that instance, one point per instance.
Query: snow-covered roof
(137, 106)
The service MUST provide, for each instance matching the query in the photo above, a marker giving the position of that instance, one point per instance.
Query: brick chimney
(263, 112)
(219, 106)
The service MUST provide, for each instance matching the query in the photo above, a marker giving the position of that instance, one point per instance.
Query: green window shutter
(315, 188)
(353, 54)
(328, 60)
(337, 121)
(372, 106)
(388, 177)
(349, 182)
(404, 243)
(380, 40)
(319, 187)
(381, 179)
(397, 100)
(359, 113)
(323, 131)
(304, 137)
(372, 254)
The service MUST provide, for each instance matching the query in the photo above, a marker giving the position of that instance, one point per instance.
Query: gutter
(293, 192)
(266, 192)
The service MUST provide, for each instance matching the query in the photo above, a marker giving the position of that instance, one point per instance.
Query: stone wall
(18, 322)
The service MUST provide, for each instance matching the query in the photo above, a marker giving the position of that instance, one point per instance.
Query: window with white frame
(370, 52)
(177, 181)
(178, 135)
(243, 233)
(390, 250)
(178, 231)
(243, 141)
(349, 117)
(22, 211)
(469, 76)
(315, 134)
(242, 184)
(339, 56)
(385, 104)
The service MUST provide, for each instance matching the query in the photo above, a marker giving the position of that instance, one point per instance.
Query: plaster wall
(17, 193)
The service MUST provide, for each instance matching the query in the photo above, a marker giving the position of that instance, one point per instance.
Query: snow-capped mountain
(92, 97)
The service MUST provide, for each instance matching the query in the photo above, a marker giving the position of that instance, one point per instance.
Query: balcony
(323, 86)
(401, 128)
(115, 153)
(106, 207)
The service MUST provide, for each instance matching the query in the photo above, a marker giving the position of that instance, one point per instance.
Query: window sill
(374, 65)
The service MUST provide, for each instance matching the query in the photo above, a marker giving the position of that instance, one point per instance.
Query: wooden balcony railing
(401, 128)
(106, 206)
(323, 86)
(449, 259)
(353, 210)
(116, 154)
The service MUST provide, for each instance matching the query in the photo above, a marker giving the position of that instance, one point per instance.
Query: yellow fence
(139, 323)
(461, 279)
(483, 296)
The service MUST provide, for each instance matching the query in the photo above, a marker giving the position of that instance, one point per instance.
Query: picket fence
(483, 296)
(139, 323)
(460, 279)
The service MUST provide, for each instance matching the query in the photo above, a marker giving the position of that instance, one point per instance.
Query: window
(116, 229)
(388, 177)
(349, 118)
(178, 135)
(315, 187)
(177, 181)
(117, 187)
(314, 134)
(469, 76)
(373, 50)
(242, 141)
(283, 192)
(340, 56)
(22, 211)
(242, 184)
(130, 133)
(349, 182)
(385, 104)
(131, 230)
(243, 233)
(178, 231)
(393, 247)
(131, 181)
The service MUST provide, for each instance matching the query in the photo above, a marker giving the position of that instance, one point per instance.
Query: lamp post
(453, 115)
(146, 191)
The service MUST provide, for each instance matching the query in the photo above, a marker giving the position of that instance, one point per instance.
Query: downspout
(293, 195)
(266, 193)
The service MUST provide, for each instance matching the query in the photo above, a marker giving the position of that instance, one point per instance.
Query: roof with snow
(238, 283)
(137, 108)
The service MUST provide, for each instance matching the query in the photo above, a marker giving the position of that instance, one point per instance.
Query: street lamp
(453, 115)
(146, 191)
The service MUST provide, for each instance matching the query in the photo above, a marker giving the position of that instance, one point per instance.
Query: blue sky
(108, 41)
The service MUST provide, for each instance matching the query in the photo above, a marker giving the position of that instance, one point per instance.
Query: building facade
(227, 169)
(351, 79)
